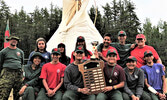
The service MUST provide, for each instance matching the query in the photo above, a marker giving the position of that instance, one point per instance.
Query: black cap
(79, 48)
(147, 52)
(80, 39)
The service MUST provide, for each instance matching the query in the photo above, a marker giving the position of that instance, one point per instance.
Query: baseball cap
(131, 58)
(111, 51)
(13, 37)
(140, 36)
(80, 39)
(147, 52)
(61, 45)
(79, 48)
(121, 33)
(56, 51)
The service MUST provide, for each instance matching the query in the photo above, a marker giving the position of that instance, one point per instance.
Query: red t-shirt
(139, 54)
(52, 73)
(84, 58)
(104, 52)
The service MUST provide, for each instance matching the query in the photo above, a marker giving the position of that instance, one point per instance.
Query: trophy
(93, 75)
(94, 45)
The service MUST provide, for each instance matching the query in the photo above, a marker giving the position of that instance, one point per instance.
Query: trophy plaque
(93, 75)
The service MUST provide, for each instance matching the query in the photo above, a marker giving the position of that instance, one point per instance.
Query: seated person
(133, 89)
(52, 78)
(154, 77)
(73, 80)
(31, 84)
(114, 76)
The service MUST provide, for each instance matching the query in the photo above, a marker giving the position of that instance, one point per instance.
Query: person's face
(41, 45)
(61, 49)
(131, 64)
(112, 58)
(78, 55)
(81, 43)
(149, 58)
(13, 42)
(55, 57)
(106, 41)
(37, 60)
(140, 41)
(122, 38)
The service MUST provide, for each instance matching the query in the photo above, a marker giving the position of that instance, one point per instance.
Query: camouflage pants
(9, 79)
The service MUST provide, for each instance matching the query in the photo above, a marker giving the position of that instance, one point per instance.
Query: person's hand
(162, 96)
(100, 54)
(50, 93)
(108, 88)
(135, 97)
(22, 90)
(85, 91)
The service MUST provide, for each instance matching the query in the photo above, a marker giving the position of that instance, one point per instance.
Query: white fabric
(79, 25)
(151, 89)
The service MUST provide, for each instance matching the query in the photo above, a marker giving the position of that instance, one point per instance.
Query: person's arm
(140, 84)
(159, 61)
(164, 84)
(127, 90)
(67, 81)
(58, 86)
(49, 91)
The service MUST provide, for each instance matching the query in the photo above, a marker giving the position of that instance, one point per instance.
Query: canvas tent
(74, 23)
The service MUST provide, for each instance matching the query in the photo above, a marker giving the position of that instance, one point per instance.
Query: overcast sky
(153, 9)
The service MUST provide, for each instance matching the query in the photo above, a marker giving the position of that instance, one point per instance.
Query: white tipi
(74, 23)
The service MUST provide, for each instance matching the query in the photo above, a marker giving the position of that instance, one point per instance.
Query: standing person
(133, 89)
(122, 48)
(64, 58)
(154, 77)
(102, 50)
(31, 84)
(73, 80)
(11, 61)
(114, 76)
(81, 42)
(41, 47)
(52, 78)
(138, 52)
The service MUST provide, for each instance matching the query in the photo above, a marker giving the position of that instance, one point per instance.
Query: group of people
(131, 71)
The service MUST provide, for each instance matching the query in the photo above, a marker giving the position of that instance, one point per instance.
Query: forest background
(117, 15)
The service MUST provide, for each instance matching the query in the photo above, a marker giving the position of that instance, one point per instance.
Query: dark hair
(40, 39)
(109, 35)
(63, 55)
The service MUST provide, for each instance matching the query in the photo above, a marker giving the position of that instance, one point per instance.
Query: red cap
(141, 36)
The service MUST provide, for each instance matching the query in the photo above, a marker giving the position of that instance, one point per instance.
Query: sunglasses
(79, 52)
(139, 39)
